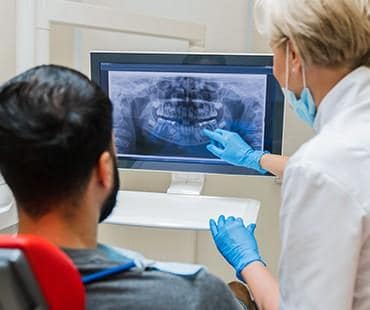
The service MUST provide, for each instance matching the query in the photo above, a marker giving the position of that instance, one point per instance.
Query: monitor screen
(163, 102)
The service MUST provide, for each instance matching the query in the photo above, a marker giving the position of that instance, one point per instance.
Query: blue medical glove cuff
(252, 159)
(240, 268)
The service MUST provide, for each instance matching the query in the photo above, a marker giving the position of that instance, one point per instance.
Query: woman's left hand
(236, 242)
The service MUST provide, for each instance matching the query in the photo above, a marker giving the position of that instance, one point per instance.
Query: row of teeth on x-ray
(182, 108)
(178, 109)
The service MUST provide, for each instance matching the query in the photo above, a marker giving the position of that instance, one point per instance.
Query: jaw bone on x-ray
(164, 113)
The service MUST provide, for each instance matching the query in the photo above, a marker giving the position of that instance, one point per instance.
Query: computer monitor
(163, 101)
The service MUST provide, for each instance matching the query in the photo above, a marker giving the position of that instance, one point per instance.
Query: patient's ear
(104, 170)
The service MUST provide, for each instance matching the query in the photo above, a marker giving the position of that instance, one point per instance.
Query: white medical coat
(325, 214)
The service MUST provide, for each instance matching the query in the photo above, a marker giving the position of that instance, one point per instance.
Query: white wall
(7, 33)
(227, 26)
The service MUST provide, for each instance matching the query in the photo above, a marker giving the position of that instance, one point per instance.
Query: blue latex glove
(235, 242)
(233, 149)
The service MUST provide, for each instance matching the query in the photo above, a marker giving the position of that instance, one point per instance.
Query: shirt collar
(339, 97)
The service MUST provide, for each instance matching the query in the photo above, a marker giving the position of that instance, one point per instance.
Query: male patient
(57, 155)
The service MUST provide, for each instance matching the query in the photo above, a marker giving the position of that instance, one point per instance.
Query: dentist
(322, 60)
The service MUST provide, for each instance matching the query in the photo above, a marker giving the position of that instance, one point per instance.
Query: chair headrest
(58, 278)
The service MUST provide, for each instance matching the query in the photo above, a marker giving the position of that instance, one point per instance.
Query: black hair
(54, 125)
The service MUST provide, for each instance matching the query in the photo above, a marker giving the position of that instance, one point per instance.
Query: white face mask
(305, 106)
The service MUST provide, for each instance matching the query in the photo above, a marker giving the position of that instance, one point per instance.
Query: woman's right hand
(230, 147)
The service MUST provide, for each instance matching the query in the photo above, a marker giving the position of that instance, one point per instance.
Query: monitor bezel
(132, 57)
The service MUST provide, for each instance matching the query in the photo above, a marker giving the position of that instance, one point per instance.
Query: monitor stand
(186, 183)
(182, 207)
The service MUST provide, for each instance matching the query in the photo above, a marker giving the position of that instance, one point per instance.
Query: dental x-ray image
(164, 113)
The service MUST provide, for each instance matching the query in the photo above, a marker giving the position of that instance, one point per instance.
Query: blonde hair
(324, 32)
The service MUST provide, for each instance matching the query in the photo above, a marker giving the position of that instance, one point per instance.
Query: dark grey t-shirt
(150, 289)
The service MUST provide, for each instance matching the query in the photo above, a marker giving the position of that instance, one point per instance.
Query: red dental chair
(35, 274)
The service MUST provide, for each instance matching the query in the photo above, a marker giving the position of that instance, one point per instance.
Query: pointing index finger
(214, 136)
